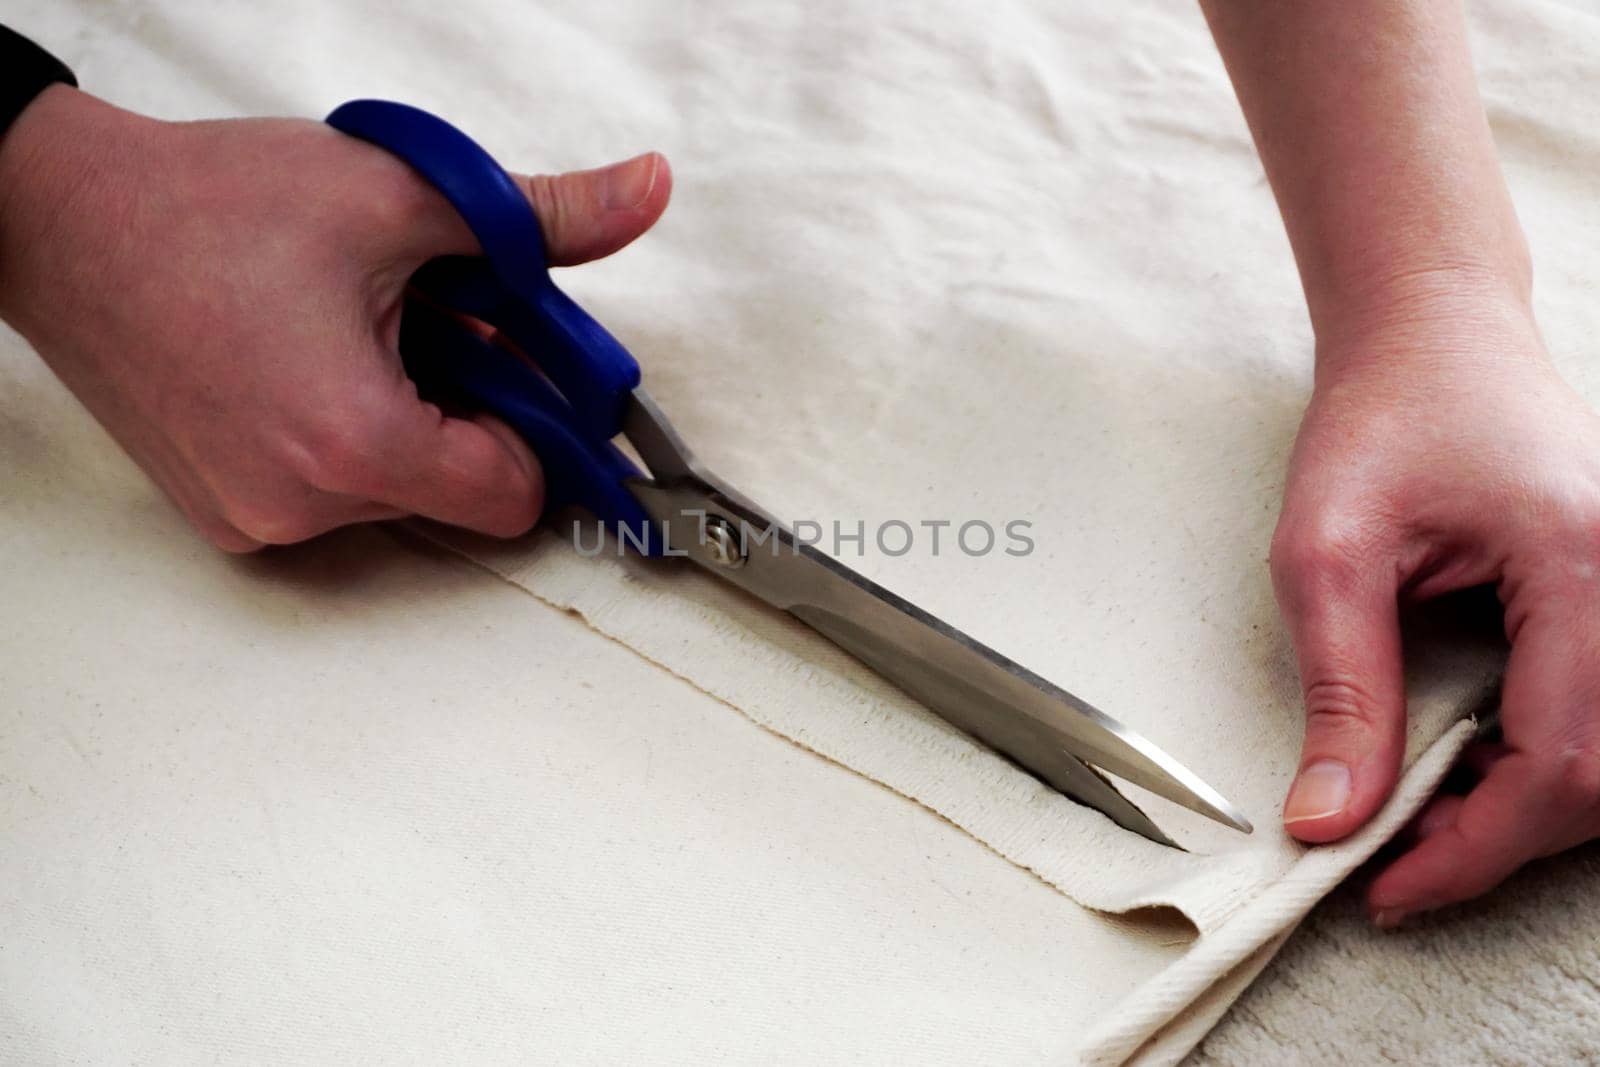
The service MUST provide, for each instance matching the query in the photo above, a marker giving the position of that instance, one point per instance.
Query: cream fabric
(924, 262)
(359, 803)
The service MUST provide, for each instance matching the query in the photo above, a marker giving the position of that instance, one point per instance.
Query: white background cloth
(1506, 979)
(926, 261)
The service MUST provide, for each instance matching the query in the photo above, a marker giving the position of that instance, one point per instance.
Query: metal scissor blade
(970, 709)
(1040, 726)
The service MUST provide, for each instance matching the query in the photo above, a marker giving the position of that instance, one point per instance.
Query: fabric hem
(1268, 915)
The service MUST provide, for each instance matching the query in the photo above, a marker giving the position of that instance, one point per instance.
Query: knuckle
(510, 508)
(338, 455)
(397, 199)
(1575, 774)
(1325, 549)
(1339, 706)
(548, 194)
(270, 522)
(221, 535)
(1569, 504)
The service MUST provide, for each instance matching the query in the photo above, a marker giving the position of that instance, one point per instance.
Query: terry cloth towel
(924, 263)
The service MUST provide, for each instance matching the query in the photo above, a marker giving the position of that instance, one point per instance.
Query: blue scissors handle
(568, 409)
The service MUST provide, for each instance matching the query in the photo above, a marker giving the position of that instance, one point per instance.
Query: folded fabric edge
(1237, 931)
(1008, 811)
(1265, 918)
(1181, 1035)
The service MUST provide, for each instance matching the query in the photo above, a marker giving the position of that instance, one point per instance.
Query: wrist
(1430, 311)
(52, 158)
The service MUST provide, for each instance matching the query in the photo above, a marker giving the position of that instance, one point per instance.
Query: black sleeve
(26, 70)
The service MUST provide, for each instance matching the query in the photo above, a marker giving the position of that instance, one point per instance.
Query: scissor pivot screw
(722, 543)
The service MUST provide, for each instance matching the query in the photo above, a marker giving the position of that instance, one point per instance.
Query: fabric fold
(1270, 914)
(797, 684)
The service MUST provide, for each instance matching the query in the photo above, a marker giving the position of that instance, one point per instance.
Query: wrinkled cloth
(926, 263)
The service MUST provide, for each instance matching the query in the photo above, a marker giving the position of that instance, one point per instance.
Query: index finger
(475, 473)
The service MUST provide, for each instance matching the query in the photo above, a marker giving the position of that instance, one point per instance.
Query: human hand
(225, 298)
(1441, 451)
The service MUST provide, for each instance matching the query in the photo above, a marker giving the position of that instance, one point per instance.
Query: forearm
(1367, 117)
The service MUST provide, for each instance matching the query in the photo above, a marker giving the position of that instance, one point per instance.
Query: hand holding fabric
(1442, 451)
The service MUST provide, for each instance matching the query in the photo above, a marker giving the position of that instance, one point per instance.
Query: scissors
(570, 389)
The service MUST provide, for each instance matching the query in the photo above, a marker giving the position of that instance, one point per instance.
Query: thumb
(1344, 620)
(587, 214)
